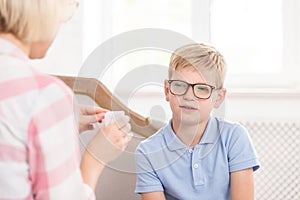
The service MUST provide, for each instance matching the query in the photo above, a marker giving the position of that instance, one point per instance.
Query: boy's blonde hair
(31, 20)
(205, 59)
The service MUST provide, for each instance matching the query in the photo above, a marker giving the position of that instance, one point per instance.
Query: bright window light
(249, 34)
(166, 14)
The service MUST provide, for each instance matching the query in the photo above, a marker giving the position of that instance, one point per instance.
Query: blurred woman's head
(33, 22)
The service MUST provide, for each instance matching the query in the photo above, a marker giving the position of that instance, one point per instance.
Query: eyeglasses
(200, 90)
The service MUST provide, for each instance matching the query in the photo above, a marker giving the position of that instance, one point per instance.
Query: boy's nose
(189, 95)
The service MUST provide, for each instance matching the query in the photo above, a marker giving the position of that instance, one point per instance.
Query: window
(249, 33)
(260, 39)
(126, 15)
(166, 14)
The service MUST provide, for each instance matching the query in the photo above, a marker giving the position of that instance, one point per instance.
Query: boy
(196, 156)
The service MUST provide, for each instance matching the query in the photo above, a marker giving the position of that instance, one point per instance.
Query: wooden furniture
(93, 88)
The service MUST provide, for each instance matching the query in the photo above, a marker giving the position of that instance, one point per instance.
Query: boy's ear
(220, 97)
(167, 91)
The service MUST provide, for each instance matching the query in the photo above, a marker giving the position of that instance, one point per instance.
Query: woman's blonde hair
(204, 58)
(31, 20)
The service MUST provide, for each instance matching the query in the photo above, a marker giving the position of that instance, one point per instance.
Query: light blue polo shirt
(165, 164)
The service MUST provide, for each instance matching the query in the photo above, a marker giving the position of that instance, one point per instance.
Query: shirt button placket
(196, 166)
(196, 169)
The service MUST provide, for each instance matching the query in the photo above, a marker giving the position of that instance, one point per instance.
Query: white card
(112, 116)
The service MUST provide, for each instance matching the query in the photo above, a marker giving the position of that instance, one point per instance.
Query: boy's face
(187, 109)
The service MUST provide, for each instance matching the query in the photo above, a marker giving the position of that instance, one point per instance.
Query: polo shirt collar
(210, 135)
(172, 141)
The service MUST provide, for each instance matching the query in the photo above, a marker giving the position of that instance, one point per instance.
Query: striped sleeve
(39, 150)
(39, 153)
(53, 148)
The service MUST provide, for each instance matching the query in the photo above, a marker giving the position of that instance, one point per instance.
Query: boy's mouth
(188, 107)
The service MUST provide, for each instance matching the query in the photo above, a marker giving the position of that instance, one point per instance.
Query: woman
(39, 154)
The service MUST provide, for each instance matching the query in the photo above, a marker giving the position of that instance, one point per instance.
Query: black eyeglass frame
(192, 85)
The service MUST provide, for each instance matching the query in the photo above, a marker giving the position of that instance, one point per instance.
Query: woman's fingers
(91, 110)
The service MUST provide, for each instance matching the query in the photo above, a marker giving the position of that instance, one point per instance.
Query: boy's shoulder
(230, 126)
(155, 140)
(232, 130)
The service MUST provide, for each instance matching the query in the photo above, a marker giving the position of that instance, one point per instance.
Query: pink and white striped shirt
(39, 150)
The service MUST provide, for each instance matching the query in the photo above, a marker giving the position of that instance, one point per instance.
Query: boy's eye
(178, 84)
(202, 88)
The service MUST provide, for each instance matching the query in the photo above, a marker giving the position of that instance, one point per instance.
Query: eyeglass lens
(200, 90)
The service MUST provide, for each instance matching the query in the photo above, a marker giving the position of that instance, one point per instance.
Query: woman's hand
(88, 116)
(108, 143)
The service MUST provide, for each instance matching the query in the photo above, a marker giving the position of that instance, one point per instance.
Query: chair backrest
(97, 91)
